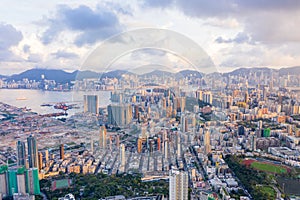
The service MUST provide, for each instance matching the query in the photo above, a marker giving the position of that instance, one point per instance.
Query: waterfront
(33, 99)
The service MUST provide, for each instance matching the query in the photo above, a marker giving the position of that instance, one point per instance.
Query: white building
(178, 185)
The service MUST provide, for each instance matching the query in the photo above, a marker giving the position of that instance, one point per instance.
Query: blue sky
(236, 33)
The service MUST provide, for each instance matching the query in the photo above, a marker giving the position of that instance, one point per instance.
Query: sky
(233, 33)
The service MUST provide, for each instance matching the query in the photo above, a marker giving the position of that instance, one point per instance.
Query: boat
(46, 104)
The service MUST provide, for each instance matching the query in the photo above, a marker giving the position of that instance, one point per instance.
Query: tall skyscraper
(181, 101)
(122, 155)
(3, 180)
(207, 97)
(40, 155)
(207, 147)
(33, 183)
(62, 151)
(178, 146)
(91, 104)
(19, 180)
(139, 145)
(21, 153)
(119, 114)
(102, 139)
(178, 185)
(47, 155)
(32, 152)
(166, 149)
(12, 181)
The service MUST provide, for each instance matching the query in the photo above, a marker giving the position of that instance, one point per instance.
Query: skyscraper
(21, 181)
(207, 147)
(40, 156)
(178, 146)
(32, 152)
(91, 104)
(102, 139)
(122, 155)
(207, 97)
(47, 155)
(166, 149)
(33, 183)
(62, 151)
(119, 114)
(21, 153)
(3, 180)
(178, 185)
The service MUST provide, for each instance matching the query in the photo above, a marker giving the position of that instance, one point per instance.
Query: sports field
(60, 184)
(268, 167)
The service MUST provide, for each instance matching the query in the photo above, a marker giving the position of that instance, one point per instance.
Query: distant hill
(289, 70)
(157, 73)
(61, 76)
(281, 71)
(189, 73)
(79, 75)
(50, 74)
(115, 74)
(247, 71)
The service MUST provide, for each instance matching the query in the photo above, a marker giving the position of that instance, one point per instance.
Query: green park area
(267, 191)
(98, 186)
(268, 167)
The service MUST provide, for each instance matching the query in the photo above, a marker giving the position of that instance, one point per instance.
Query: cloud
(34, 58)
(241, 37)
(9, 37)
(64, 54)
(158, 3)
(264, 21)
(91, 25)
(118, 8)
(26, 48)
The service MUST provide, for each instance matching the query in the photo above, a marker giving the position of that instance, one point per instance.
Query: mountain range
(61, 76)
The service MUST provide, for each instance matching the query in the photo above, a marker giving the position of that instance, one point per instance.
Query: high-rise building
(47, 155)
(21, 153)
(178, 146)
(166, 149)
(207, 147)
(178, 185)
(207, 97)
(199, 94)
(40, 155)
(91, 104)
(102, 138)
(33, 183)
(122, 155)
(12, 181)
(3, 180)
(253, 142)
(119, 114)
(181, 101)
(118, 141)
(62, 151)
(92, 146)
(32, 152)
(21, 181)
(139, 145)
(246, 98)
